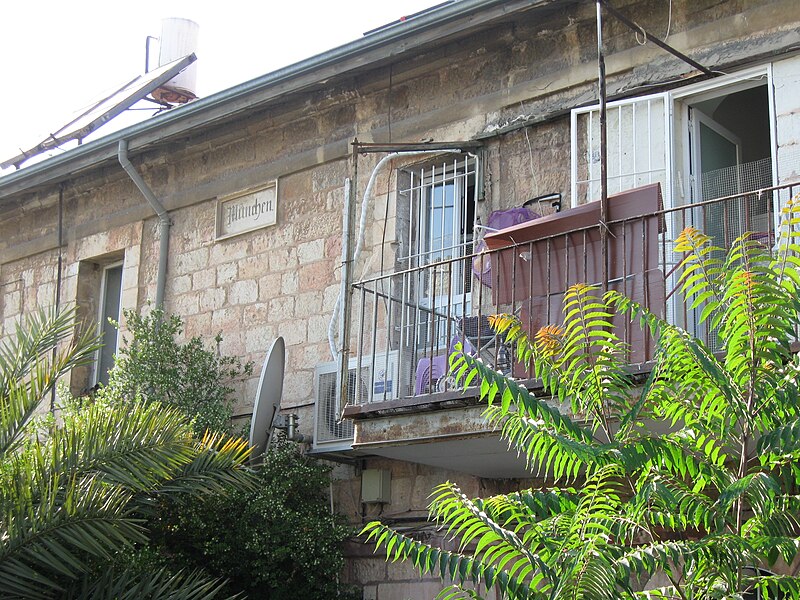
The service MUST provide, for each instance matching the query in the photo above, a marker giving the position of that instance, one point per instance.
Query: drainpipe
(163, 219)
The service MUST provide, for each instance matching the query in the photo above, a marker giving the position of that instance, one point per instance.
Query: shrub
(277, 541)
(152, 365)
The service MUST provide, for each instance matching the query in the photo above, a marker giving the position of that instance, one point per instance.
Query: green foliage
(692, 474)
(72, 498)
(277, 540)
(152, 365)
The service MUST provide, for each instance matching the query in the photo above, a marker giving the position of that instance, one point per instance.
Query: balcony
(406, 323)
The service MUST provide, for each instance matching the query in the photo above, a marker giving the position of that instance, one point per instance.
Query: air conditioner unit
(378, 381)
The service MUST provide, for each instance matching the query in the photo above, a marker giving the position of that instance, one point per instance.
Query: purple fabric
(499, 219)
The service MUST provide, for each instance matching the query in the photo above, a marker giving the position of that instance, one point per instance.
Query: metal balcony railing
(406, 323)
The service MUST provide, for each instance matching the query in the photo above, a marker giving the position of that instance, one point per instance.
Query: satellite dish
(268, 398)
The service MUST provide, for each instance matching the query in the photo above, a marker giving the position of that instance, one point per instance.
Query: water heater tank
(178, 39)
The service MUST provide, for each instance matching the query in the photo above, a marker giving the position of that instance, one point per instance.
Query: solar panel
(106, 109)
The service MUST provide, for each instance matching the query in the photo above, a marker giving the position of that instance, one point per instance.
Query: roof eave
(372, 49)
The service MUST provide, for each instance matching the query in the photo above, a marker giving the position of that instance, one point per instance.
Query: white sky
(60, 55)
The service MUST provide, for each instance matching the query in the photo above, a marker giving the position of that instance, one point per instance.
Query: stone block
(130, 278)
(203, 279)
(269, 287)
(318, 328)
(45, 295)
(293, 332)
(312, 355)
(307, 304)
(310, 251)
(333, 247)
(370, 570)
(257, 313)
(281, 309)
(314, 276)
(211, 299)
(225, 319)
(130, 298)
(185, 304)
(257, 339)
(12, 303)
(253, 267)
(229, 250)
(198, 325)
(232, 343)
(402, 492)
(133, 255)
(289, 282)
(369, 592)
(298, 388)
(175, 285)
(330, 297)
(243, 292)
(191, 261)
(227, 273)
(282, 259)
(409, 590)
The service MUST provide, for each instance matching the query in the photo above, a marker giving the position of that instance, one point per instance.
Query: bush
(152, 365)
(277, 541)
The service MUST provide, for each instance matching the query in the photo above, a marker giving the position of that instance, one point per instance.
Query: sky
(60, 55)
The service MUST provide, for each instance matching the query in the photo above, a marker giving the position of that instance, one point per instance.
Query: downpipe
(163, 219)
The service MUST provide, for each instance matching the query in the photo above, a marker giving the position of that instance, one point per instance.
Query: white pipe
(362, 227)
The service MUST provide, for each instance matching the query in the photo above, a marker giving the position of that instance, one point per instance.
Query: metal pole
(601, 66)
(59, 272)
(348, 249)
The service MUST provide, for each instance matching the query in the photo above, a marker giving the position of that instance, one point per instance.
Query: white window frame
(675, 101)
(734, 82)
(424, 178)
(102, 317)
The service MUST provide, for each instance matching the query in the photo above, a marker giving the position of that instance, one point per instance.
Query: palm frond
(52, 531)
(31, 362)
(449, 566)
(159, 585)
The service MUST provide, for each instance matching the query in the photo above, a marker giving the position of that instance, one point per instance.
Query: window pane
(112, 292)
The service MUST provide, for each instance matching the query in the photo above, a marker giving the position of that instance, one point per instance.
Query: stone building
(338, 202)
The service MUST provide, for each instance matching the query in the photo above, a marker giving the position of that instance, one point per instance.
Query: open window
(725, 135)
(703, 142)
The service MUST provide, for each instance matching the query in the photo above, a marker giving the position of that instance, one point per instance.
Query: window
(694, 141)
(638, 133)
(109, 310)
(701, 142)
(436, 215)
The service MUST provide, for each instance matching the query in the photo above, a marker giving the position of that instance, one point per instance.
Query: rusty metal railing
(407, 322)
